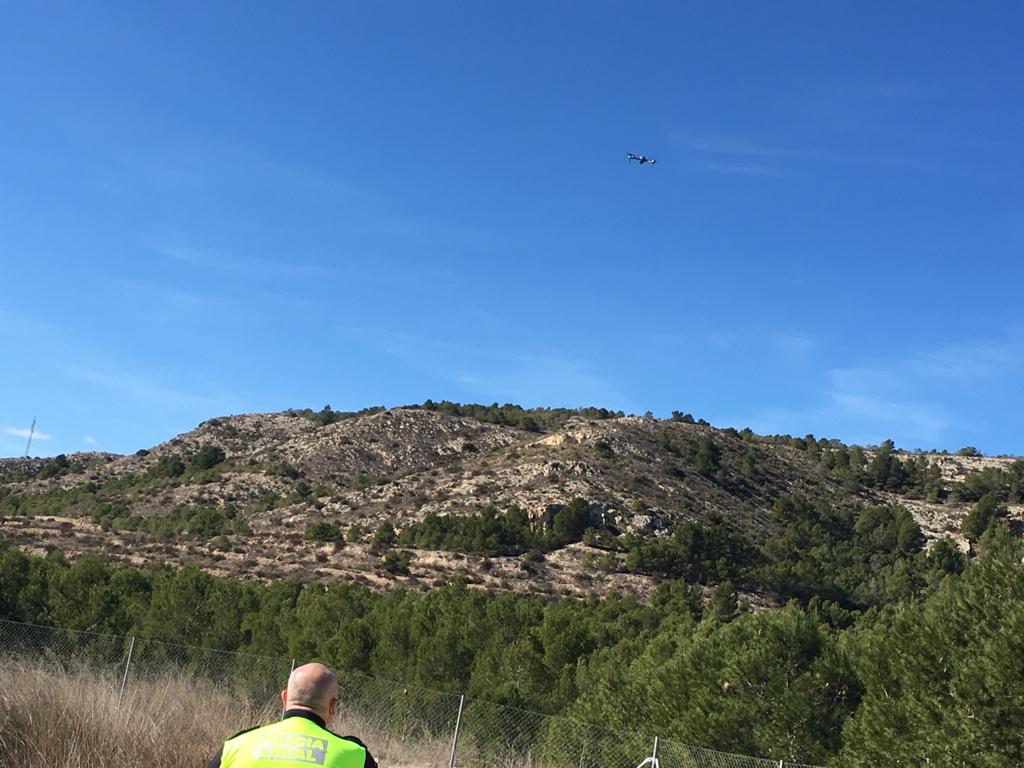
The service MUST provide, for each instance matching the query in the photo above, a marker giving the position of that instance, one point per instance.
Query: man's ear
(284, 698)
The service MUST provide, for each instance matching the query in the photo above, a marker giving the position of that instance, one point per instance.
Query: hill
(548, 501)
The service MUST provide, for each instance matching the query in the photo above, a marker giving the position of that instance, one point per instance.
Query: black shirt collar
(311, 716)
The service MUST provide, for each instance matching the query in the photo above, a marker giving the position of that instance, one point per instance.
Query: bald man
(300, 738)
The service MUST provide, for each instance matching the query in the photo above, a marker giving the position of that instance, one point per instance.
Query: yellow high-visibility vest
(295, 742)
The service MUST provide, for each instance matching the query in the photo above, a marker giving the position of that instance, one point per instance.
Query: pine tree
(943, 682)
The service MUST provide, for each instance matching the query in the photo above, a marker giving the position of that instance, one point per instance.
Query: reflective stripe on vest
(294, 741)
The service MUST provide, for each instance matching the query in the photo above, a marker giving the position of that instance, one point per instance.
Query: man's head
(314, 688)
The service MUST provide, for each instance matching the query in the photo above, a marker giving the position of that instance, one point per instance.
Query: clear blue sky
(214, 208)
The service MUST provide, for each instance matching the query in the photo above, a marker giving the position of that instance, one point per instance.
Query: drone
(640, 158)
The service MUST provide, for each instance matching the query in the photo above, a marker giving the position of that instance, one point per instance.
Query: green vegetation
(1006, 484)
(982, 516)
(207, 457)
(852, 559)
(913, 476)
(168, 465)
(532, 419)
(327, 415)
(78, 500)
(396, 562)
(300, 492)
(56, 501)
(203, 522)
(489, 533)
(881, 686)
(284, 470)
(492, 533)
(941, 678)
(323, 531)
(708, 459)
(115, 492)
(855, 559)
(384, 538)
(694, 553)
(884, 652)
(57, 466)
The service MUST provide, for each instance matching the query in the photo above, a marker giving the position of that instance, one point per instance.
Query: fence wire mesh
(239, 675)
(673, 754)
(406, 726)
(55, 650)
(496, 736)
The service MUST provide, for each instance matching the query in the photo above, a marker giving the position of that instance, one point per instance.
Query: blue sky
(214, 208)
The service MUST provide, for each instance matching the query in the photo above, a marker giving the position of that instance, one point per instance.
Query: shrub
(396, 562)
(323, 531)
(169, 465)
(208, 457)
(384, 538)
(980, 518)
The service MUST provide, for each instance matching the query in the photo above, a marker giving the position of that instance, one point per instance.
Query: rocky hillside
(292, 495)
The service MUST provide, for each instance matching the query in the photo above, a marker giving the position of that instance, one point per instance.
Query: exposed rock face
(283, 472)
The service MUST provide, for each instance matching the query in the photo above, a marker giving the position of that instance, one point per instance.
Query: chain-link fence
(406, 726)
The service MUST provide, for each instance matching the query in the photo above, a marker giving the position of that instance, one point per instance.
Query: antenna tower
(31, 431)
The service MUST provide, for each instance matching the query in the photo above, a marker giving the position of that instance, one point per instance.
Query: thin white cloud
(981, 360)
(528, 379)
(793, 344)
(187, 255)
(903, 399)
(722, 340)
(789, 343)
(738, 155)
(543, 379)
(884, 401)
(735, 146)
(860, 419)
(19, 432)
(138, 388)
(923, 423)
(90, 440)
(157, 298)
(42, 332)
(212, 259)
(743, 169)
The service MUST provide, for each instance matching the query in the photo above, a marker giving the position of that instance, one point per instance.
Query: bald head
(312, 687)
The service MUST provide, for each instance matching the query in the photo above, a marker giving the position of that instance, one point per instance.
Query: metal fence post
(455, 736)
(652, 761)
(291, 670)
(127, 666)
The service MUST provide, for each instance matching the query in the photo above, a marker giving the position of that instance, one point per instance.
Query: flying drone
(640, 158)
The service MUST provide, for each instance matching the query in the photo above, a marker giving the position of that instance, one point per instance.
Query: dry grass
(50, 720)
(392, 748)
(61, 720)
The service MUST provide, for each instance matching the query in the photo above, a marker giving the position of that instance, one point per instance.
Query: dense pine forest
(931, 674)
